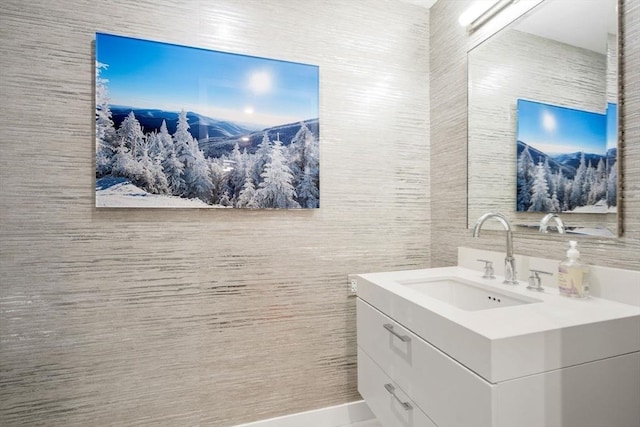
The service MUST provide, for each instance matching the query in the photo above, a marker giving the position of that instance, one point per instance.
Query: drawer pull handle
(403, 338)
(392, 391)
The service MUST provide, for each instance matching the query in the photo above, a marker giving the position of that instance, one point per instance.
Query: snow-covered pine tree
(296, 151)
(165, 141)
(540, 201)
(151, 176)
(156, 153)
(568, 189)
(311, 173)
(555, 204)
(276, 190)
(131, 135)
(224, 200)
(182, 146)
(576, 197)
(196, 177)
(524, 178)
(307, 191)
(612, 186)
(218, 176)
(124, 165)
(261, 157)
(182, 141)
(174, 172)
(247, 197)
(599, 188)
(173, 168)
(304, 163)
(560, 185)
(548, 175)
(523, 197)
(238, 173)
(247, 161)
(106, 143)
(587, 185)
(160, 179)
(155, 147)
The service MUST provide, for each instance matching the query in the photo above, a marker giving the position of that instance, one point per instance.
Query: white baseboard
(331, 416)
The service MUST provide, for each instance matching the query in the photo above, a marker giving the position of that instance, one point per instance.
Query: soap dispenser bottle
(573, 275)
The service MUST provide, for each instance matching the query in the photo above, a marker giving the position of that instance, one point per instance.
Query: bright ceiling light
(475, 10)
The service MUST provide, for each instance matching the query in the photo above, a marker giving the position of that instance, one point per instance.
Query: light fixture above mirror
(480, 12)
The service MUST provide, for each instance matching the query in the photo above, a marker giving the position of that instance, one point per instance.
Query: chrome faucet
(545, 220)
(509, 260)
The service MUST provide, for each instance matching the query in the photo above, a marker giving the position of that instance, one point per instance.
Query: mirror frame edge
(621, 119)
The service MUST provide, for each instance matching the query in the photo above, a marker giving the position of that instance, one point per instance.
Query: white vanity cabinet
(435, 382)
(393, 406)
(408, 382)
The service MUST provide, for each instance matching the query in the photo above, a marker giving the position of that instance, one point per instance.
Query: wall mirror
(542, 119)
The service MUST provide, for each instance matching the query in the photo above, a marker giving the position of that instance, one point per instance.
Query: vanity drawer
(449, 393)
(391, 406)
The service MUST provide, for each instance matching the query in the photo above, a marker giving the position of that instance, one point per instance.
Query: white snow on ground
(599, 207)
(121, 193)
(592, 231)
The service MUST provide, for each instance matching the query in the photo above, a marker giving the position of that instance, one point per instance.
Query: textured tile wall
(188, 317)
(448, 57)
(612, 68)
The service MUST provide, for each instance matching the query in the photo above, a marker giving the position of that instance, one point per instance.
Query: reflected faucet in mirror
(544, 228)
(509, 260)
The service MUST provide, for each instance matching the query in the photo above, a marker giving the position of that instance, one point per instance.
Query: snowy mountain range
(215, 137)
(569, 162)
(573, 159)
(200, 127)
(218, 146)
(568, 169)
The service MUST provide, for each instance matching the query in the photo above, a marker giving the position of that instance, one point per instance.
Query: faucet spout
(510, 273)
(545, 221)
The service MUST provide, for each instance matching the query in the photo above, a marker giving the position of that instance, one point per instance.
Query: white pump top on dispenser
(573, 253)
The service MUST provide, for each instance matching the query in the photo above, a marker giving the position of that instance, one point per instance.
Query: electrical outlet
(353, 286)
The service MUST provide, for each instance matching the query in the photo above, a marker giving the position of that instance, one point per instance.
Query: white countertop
(556, 311)
(506, 342)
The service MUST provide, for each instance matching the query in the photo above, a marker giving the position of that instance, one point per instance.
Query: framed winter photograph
(183, 127)
(565, 160)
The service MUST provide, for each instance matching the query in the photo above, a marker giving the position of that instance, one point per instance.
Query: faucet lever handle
(535, 280)
(488, 269)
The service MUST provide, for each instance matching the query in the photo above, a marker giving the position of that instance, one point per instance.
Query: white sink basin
(499, 331)
(465, 294)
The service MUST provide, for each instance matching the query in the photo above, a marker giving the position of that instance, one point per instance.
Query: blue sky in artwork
(559, 130)
(612, 125)
(244, 89)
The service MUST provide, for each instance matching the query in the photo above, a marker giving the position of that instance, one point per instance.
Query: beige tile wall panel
(612, 68)
(448, 58)
(200, 317)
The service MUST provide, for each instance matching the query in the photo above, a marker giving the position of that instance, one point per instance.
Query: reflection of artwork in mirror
(564, 161)
(183, 127)
(612, 155)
